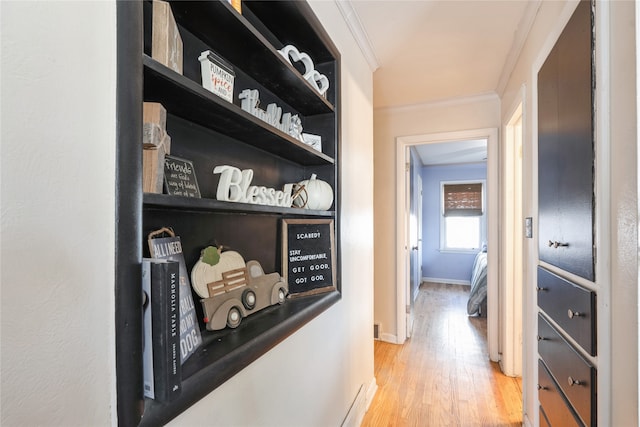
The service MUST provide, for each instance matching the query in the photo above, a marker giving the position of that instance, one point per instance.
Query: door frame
(402, 229)
(418, 229)
(511, 264)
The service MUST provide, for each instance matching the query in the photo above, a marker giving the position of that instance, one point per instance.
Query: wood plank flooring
(442, 376)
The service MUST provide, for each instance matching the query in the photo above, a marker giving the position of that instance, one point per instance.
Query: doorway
(414, 200)
(511, 301)
(403, 244)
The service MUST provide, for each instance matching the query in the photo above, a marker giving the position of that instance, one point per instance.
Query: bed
(477, 303)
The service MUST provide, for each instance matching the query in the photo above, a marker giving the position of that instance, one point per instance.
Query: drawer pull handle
(573, 314)
(540, 338)
(539, 289)
(541, 387)
(573, 382)
(556, 244)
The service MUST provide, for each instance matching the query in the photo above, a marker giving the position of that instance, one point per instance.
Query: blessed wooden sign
(235, 186)
(308, 256)
(180, 177)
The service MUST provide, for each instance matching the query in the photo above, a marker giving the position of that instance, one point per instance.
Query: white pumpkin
(207, 270)
(317, 194)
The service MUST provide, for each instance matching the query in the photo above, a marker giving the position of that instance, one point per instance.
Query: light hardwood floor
(442, 376)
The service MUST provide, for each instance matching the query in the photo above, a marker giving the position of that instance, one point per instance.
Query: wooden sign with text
(308, 256)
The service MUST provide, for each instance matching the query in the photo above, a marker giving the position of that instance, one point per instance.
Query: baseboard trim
(356, 412)
(371, 392)
(360, 404)
(447, 281)
(390, 338)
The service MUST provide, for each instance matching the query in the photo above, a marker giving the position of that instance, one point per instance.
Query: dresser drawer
(554, 409)
(573, 374)
(570, 306)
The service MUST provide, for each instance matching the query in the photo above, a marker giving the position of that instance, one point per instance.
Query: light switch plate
(528, 227)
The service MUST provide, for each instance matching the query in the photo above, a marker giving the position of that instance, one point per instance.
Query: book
(162, 370)
(170, 248)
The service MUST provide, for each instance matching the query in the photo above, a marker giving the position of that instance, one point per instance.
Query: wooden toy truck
(241, 292)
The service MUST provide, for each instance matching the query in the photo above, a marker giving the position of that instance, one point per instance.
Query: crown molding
(482, 97)
(524, 27)
(359, 34)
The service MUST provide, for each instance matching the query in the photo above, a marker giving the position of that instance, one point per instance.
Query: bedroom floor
(442, 376)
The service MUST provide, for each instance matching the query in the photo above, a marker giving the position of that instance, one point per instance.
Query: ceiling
(432, 50)
(428, 51)
(456, 152)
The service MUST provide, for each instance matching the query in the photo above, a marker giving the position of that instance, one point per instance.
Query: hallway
(442, 376)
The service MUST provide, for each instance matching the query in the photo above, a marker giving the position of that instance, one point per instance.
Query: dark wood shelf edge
(128, 214)
(166, 201)
(287, 146)
(236, 23)
(215, 374)
(290, 12)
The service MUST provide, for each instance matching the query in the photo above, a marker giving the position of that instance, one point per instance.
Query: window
(462, 221)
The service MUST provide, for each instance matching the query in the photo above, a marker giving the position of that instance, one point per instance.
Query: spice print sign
(217, 75)
(180, 177)
(308, 256)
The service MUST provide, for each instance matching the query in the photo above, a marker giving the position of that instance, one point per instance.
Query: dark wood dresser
(567, 341)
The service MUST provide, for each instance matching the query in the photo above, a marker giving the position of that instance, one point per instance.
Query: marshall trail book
(161, 352)
(170, 248)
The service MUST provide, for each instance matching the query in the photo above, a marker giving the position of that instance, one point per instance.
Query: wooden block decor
(153, 169)
(154, 112)
(166, 44)
(154, 117)
(152, 135)
(156, 145)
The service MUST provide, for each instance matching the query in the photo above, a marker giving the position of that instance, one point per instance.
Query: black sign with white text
(180, 177)
(308, 256)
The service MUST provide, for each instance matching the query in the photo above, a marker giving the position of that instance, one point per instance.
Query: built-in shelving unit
(164, 201)
(209, 131)
(189, 100)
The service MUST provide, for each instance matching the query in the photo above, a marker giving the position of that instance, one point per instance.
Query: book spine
(170, 248)
(165, 318)
(147, 350)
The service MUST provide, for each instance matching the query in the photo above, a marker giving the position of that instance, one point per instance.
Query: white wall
(548, 23)
(58, 153)
(57, 160)
(616, 202)
(455, 115)
(621, 141)
(311, 378)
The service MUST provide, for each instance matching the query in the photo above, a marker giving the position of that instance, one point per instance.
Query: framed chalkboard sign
(308, 256)
(180, 177)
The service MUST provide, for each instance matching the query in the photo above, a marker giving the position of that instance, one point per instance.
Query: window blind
(462, 199)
